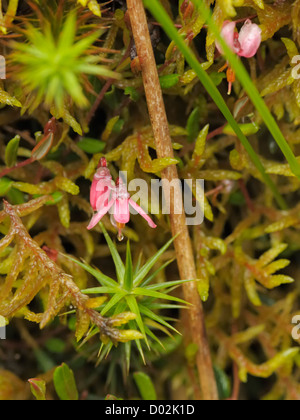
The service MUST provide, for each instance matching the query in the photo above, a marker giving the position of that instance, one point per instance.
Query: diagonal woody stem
(183, 246)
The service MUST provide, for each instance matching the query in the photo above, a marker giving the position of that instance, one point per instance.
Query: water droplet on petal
(120, 237)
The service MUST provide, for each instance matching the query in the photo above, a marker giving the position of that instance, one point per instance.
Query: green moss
(74, 66)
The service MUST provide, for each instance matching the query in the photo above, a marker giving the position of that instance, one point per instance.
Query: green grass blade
(162, 17)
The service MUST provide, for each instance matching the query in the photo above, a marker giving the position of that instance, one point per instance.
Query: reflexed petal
(142, 213)
(250, 39)
(98, 216)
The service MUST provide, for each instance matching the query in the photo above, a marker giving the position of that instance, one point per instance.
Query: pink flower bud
(101, 185)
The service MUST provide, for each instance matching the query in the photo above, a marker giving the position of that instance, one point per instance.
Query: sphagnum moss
(77, 93)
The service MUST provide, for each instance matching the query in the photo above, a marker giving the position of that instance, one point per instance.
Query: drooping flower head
(246, 42)
(106, 195)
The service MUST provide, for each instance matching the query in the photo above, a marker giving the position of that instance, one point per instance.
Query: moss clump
(74, 93)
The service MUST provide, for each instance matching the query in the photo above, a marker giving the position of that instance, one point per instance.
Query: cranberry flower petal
(250, 39)
(94, 195)
(98, 216)
(228, 34)
(103, 199)
(102, 180)
(121, 212)
(99, 188)
(142, 213)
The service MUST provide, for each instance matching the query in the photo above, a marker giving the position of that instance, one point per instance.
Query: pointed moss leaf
(43, 147)
(145, 386)
(5, 185)
(154, 337)
(91, 146)
(120, 269)
(223, 383)
(134, 307)
(141, 351)
(113, 302)
(167, 284)
(118, 127)
(138, 264)
(57, 196)
(247, 129)
(150, 263)
(133, 93)
(11, 151)
(193, 125)
(128, 280)
(153, 275)
(217, 77)
(102, 278)
(96, 290)
(64, 383)
(151, 315)
(15, 196)
(153, 293)
(38, 388)
(169, 80)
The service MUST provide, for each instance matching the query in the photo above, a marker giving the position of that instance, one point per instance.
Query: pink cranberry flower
(101, 185)
(106, 196)
(244, 44)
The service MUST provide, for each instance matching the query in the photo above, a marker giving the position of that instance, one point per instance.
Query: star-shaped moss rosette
(54, 65)
(135, 291)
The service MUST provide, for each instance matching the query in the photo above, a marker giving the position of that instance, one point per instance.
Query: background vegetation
(90, 317)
